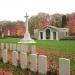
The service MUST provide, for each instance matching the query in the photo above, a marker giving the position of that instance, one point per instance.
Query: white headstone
(11, 46)
(64, 66)
(4, 55)
(2, 46)
(23, 60)
(33, 49)
(7, 46)
(42, 64)
(14, 47)
(14, 58)
(19, 47)
(24, 48)
(33, 62)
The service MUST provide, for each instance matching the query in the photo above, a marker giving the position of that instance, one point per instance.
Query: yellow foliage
(20, 32)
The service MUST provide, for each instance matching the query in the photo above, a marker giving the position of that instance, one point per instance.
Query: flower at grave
(29, 50)
(52, 66)
(50, 62)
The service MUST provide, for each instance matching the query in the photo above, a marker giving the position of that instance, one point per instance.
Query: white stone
(11, 46)
(33, 49)
(24, 48)
(2, 46)
(64, 66)
(23, 60)
(14, 58)
(42, 64)
(4, 56)
(18, 47)
(33, 62)
(14, 47)
(7, 46)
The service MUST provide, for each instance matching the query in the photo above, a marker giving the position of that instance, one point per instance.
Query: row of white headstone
(18, 47)
(37, 63)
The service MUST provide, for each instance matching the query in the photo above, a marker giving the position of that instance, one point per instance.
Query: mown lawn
(9, 40)
(66, 46)
(62, 45)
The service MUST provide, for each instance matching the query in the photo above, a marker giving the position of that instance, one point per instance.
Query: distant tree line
(58, 20)
(42, 20)
(8, 25)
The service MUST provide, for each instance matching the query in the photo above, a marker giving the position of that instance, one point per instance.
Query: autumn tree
(5, 25)
(71, 23)
(35, 20)
(20, 28)
(57, 20)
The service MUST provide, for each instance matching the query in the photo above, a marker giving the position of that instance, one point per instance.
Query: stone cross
(26, 24)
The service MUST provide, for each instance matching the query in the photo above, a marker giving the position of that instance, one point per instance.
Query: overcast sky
(16, 9)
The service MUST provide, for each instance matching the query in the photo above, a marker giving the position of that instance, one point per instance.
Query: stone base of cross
(27, 39)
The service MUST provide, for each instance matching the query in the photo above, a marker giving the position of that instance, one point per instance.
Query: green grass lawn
(66, 46)
(61, 45)
(9, 40)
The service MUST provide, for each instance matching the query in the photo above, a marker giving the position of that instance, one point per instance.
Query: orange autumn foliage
(20, 29)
